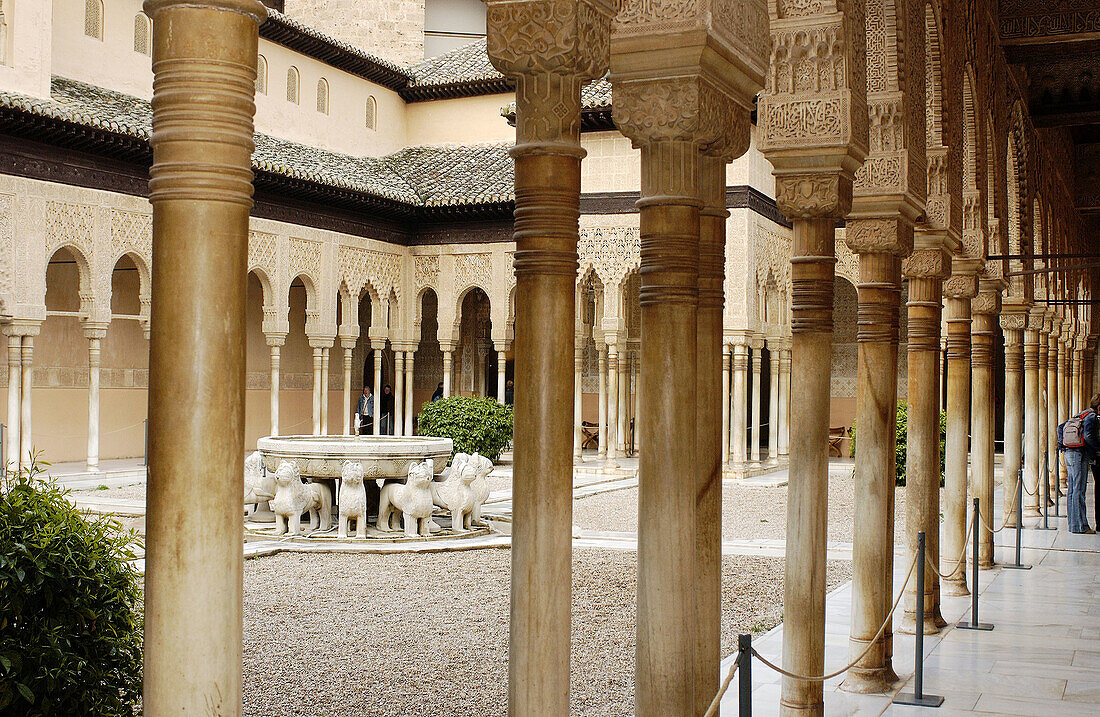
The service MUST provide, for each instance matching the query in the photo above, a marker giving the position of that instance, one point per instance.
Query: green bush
(900, 450)
(474, 424)
(70, 606)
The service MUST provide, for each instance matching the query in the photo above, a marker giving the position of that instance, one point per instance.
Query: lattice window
(322, 96)
(261, 75)
(292, 82)
(372, 113)
(143, 34)
(93, 18)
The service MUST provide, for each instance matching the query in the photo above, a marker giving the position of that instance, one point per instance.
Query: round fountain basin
(382, 457)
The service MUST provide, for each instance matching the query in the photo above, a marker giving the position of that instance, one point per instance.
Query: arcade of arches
(933, 220)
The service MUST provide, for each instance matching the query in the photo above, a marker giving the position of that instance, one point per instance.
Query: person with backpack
(1078, 438)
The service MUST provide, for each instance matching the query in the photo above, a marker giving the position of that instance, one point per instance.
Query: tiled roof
(468, 63)
(416, 176)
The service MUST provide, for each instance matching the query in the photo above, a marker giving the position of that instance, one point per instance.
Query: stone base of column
(863, 681)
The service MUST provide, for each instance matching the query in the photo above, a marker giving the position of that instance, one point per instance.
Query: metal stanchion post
(1019, 522)
(744, 677)
(1046, 497)
(917, 696)
(974, 624)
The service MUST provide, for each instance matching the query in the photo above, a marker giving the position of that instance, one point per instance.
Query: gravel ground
(747, 512)
(126, 492)
(428, 634)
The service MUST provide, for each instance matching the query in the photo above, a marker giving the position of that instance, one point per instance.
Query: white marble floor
(1042, 657)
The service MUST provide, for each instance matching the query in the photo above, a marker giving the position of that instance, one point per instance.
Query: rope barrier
(960, 562)
(85, 433)
(712, 710)
(853, 663)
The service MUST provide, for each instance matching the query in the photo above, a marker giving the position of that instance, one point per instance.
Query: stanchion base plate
(1016, 567)
(1039, 527)
(909, 698)
(971, 626)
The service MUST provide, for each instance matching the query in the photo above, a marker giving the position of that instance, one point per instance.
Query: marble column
(1054, 404)
(26, 435)
(410, 408)
(204, 64)
(773, 403)
(602, 438)
(754, 431)
(347, 408)
(1031, 414)
(622, 431)
(549, 73)
(612, 401)
(1012, 325)
(877, 242)
(738, 424)
(274, 343)
(1044, 408)
(1078, 401)
(502, 371)
(317, 391)
(578, 371)
(725, 405)
(376, 348)
(785, 402)
(15, 379)
(324, 390)
(925, 270)
(1065, 360)
(984, 310)
(447, 362)
(398, 392)
(960, 289)
(95, 334)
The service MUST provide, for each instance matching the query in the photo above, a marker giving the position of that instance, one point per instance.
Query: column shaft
(377, 415)
(922, 460)
(447, 373)
(813, 258)
(612, 401)
(501, 374)
(93, 403)
(725, 404)
(1054, 413)
(399, 393)
(27, 386)
(669, 219)
(578, 431)
(346, 405)
(15, 379)
(1011, 328)
(1031, 419)
(204, 63)
(773, 406)
(983, 332)
(1044, 407)
(754, 439)
(956, 462)
(410, 409)
(317, 391)
(324, 391)
(737, 410)
(879, 294)
(784, 404)
(602, 438)
(275, 390)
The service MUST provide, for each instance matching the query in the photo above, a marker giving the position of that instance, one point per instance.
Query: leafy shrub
(474, 424)
(70, 606)
(902, 434)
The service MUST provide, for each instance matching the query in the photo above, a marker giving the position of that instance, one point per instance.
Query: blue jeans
(1077, 468)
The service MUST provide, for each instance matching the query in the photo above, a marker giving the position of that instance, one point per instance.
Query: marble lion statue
(258, 488)
(293, 497)
(413, 499)
(353, 500)
(480, 487)
(456, 493)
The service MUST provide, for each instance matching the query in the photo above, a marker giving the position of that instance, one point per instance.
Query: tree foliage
(474, 424)
(902, 432)
(70, 606)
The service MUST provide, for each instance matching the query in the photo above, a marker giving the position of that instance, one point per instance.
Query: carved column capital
(927, 263)
(1013, 321)
(986, 302)
(880, 235)
(960, 286)
(275, 338)
(95, 330)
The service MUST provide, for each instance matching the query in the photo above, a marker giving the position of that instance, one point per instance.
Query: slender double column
(15, 380)
(346, 406)
(984, 308)
(26, 434)
(925, 270)
(602, 408)
(578, 375)
(878, 243)
(773, 401)
(738, 424)
(376, 349)
(785, 402)
(725, 405)
(324, 388)
(448, 366)
(398, 391)
(1031, 413)
(94, 332)
(204, 65)
(317, 390)
(612, 401)
(1012, 328)
(502, 371)
(410, 409)
(959, 290)
(754, 431)
(275, 341)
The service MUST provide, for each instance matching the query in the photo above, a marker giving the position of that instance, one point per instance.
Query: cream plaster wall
(26, 65)
(110, 62)
(463, 120)
(752, 169)
(390, 29)
(611, 165)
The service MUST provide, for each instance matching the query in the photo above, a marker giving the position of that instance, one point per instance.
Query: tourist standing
(1079, 439)
(438, 395)
(366, 412)
(387, 410)
(509, 392)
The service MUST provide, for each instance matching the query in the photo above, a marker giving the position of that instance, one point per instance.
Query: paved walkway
(1042, 657)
